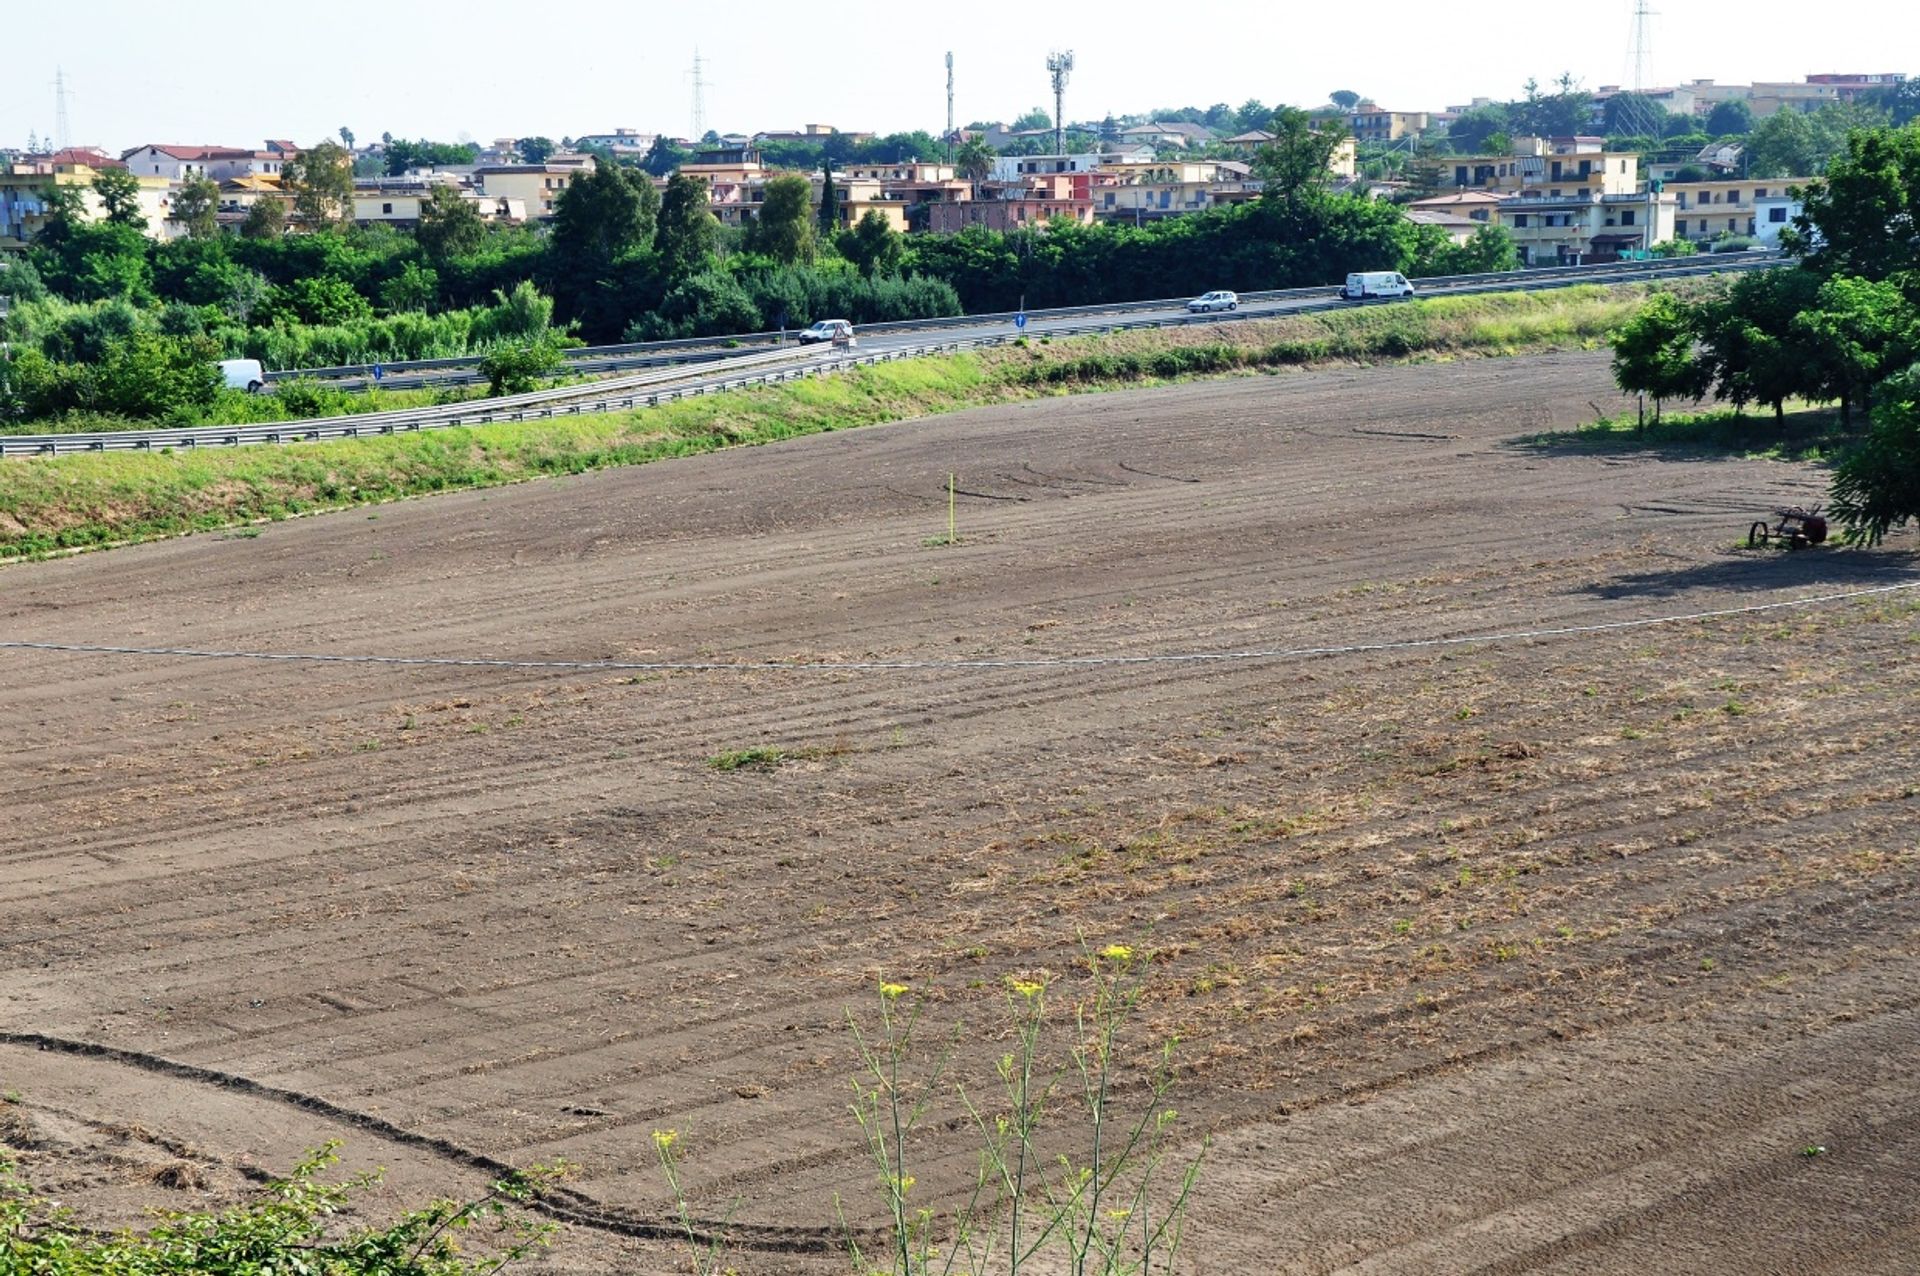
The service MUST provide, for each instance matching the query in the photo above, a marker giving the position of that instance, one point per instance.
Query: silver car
(1219, 299)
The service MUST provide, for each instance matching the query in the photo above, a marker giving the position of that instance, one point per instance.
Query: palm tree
(974, 161)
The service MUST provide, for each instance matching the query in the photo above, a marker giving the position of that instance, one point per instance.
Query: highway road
(760, 359)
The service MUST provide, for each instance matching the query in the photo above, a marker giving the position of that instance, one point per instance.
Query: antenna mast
(699, 95)
(1638, 118)
(949, 94)
(62, 132)
(1060, 66)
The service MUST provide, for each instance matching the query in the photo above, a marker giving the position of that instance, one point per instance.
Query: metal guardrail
(679, 350)
(649, 389)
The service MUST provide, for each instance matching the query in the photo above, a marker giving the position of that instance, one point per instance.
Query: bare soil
(1550, 955)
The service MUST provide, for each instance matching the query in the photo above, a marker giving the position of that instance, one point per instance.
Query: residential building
(1773, 214)
(1369, 123)
(1150, 190)
(25, 186)
(1473, 205)
(815, 133)
(1559, 166)
(1457, 228)
(179, 163)
(1592, 226)
(1249, 142)
(1704, 211)
(536, 186)
(1032, 201)
(622, 142)
(1155, 134)
(1013, 168)
(912, 182)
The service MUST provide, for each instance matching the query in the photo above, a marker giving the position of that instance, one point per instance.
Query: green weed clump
(288, 1226)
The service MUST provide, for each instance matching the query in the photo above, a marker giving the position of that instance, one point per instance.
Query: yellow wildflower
(1117, 952)
(1028, 988)
(892, 991)
(665, 1139)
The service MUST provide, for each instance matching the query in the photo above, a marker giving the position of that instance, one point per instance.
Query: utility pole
(949, 94)
(1060, 66)
(1639, 119)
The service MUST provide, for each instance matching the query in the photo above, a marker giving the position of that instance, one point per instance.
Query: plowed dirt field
(1552, 954)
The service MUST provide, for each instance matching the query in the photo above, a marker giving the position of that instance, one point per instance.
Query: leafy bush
(516, 368)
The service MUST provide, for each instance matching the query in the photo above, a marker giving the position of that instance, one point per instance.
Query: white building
(1773, 214)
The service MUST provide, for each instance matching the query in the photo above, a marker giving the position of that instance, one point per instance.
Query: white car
(243, 374)
(1220, 299)
(838, 331)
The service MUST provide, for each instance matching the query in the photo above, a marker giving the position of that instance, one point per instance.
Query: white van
(1371, 285)
(243, 374)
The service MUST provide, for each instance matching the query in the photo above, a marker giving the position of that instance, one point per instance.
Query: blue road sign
(379, 373)
(1020, 320)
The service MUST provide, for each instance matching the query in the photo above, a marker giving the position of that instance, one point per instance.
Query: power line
(939, 666)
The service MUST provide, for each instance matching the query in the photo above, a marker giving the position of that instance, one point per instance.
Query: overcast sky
(195, 72)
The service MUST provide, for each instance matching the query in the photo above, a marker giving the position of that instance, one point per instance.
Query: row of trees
(1842, 326)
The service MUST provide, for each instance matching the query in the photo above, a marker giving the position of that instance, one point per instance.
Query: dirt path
(1541, 956)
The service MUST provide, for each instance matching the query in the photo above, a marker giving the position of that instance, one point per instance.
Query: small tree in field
(1653, 353)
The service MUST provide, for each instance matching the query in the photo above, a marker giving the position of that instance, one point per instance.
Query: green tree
(346, 137)
(1561, 113)
(415, 288)
(536, 150)
(1730, 119)
(265, 219)
(1035, 118)
(450, 224)
(873, 246)
(1345, 99)
(1877, 487)
(315, 299)
(196, 205)
(119, 193)
(663, 157)
(602, 215)
(1295, 162)
(829, 200)
(1654, 353)
(1900, 101)
(1782, 145)
(1858, 331)
(321, 181)
(688, 231)
(974, 161)
(1863, 218)
(159, 377)
(403, 154)
(1473, 131)
(1749, 343)
(784, 228)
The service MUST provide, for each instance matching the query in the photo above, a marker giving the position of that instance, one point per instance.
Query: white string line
(918, 666)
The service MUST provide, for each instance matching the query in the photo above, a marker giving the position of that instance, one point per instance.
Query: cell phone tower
(949, 94)
(1060, 66)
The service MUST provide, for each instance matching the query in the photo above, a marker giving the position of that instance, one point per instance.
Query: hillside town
(1620, 174)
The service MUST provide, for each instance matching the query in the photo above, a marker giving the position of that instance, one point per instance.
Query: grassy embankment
(89, 500)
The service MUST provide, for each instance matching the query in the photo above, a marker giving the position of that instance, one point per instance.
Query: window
(1626, 217)
(1730, 224)
(1459, 174)
(387, 209)
(1759, 192)
(1555, 192)
(1586, 192)
(1733, 197)
(1776, 215)
(1519, 221)
(1680, 227)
